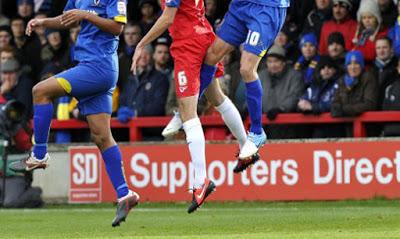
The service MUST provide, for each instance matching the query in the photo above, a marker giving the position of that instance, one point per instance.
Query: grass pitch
(345, 219)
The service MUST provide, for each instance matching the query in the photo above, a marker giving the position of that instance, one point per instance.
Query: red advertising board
(287, 171)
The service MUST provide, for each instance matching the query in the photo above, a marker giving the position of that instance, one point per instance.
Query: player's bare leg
(99, 125)
(43, 95)
(256, 137)
(195, 139)
(228, 111)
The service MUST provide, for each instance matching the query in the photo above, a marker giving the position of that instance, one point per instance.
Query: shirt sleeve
(116, 10)
(172, 3)
(70, 5)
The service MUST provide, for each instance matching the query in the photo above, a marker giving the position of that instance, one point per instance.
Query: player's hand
(32, 24)
(73, 16)
(135, 58)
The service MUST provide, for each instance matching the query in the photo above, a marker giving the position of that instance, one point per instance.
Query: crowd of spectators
(338, 56)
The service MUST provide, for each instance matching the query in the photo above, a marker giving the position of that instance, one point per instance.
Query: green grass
(344, 219)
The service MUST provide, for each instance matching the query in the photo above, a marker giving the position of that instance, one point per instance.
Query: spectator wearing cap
(149, 14)
(162, 57)
(394, 34)
(16, 85)
(341, 22)
(282, 84)
(357, 91)
(319, 95)
(25, 9)
(384, 67)
(5, 37)
(283, 87)
(388, 11)
(56, 51)
(4, 21)
(309, 57)
(336, 49)
(368, 30)
(316, 18)
(44, 6)
(132, 35)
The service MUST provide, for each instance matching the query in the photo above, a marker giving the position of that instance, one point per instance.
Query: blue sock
(207, 73)
(254, 94)
(43, 114)
(112, 158)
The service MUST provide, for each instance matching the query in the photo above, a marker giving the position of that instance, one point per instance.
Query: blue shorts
(254, 25)
(92, 84)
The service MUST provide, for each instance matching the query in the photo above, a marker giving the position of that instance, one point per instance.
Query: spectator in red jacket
(369, 29)
(341, 22)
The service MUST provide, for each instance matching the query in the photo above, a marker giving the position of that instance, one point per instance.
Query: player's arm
(51, 22)
(107, 25)
(161, 25)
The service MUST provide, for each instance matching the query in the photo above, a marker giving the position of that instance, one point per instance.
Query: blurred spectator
(7, 53)
(73, 36)
(357, 92)
(41, 31)
(341, 22)
(27, 51)
(336, 49)
(18, 32)
(43, 6)
(4, 21)
(321, 13)
(145, 94)
(297, 14)
(309, 58)
(283, 87)
(319, 94)
(161, 57)
(391, 102)
(211, 11)
(394, 34)
(15, 85)
(19, 192)
(25, 9)
(132, 36)
(369, 29)
(388, 11)
(149, 13)
(286, 40)
(56, 51)
(5, 37)
(384, 67)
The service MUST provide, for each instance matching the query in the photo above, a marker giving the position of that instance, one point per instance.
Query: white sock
(232, 119)
(197, 143)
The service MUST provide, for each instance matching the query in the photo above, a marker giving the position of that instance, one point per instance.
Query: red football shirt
(190, 19)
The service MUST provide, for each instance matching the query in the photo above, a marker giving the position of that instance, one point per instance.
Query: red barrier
(287, 171)
(136, 124)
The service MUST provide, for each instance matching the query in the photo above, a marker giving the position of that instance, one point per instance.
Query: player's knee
(39, 91)
(216, 98)
(247, 71)
(213, 56)
(101, 139)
